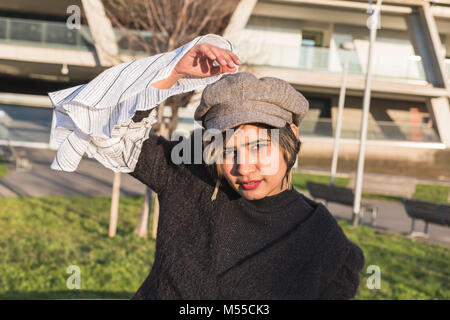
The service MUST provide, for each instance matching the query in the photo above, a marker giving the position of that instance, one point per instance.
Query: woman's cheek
(270, 166)
(226, 170)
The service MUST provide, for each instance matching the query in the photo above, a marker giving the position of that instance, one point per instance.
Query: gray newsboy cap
(241, 98)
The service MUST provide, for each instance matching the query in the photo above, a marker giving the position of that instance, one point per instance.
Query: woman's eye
(256, 147)
(230, 154)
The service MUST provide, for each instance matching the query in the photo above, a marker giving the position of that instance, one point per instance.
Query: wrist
(169, 81)
(176, 75)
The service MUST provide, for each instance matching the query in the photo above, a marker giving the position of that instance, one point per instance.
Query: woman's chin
(252, 194)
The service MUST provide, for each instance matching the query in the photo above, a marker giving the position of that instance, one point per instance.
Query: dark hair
(289, 143)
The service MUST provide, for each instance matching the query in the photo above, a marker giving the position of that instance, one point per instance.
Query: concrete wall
(387, 159)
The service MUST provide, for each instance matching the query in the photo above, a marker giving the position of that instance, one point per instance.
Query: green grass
(41, 237)
(299, 180)
(409, 269)
(433, 193)
(383, 197)
(426, 192)
(3, 168)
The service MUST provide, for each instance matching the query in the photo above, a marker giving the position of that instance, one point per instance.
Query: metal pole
(114, 205)
(142, 226)
(51, 146)
(373, 25)
(339, 121)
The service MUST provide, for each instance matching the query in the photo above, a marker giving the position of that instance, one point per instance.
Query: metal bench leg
(414, 234)
(413, 224)
(374, 216)
(373, 213)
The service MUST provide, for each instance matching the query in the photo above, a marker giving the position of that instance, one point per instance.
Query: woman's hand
(198, 61)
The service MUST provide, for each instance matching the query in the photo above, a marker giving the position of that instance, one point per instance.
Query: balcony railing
(316, 59)
(56, 34)
(327, 60)
(43, 33)
(377, 130)
(32, 125)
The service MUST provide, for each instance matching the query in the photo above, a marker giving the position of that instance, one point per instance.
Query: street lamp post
(346, 46)
(373, 24)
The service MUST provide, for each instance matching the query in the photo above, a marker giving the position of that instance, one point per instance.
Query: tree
(157, 26)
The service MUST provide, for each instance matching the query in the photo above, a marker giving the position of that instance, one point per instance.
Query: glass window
(312, 38)
(26, 31)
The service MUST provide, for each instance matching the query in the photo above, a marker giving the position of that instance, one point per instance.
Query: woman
(231, 226)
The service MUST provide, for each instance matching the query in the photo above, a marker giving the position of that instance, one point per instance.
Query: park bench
(9, 153)
(20, 158)
(330, 193)
(429, 212)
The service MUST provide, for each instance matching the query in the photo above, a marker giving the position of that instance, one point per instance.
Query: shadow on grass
(66, 294)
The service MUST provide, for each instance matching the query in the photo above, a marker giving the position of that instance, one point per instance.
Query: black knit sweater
(284, 246)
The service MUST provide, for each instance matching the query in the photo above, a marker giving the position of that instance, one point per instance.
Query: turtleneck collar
(277, 202)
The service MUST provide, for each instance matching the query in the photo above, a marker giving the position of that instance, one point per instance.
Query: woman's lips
(250, 185)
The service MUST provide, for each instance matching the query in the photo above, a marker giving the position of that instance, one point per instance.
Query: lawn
(299, 180)
(434, 193)
(41, 237)
(3, 168)
(425, 192)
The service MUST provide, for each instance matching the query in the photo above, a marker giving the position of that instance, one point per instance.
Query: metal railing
(318, 59)
(377, 130)
(43, 33)
(56, 34)
(32, 125)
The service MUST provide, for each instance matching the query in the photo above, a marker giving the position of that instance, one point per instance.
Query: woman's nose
(246, 163)
(245, 168)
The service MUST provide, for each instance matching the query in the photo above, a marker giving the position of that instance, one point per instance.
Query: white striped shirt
(95, 118)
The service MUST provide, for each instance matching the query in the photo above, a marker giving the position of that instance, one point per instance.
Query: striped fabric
(96, 118)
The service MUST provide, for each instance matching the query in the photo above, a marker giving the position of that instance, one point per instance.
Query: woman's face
(253, 163)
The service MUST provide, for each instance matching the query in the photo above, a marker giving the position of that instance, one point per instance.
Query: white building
(304, 42)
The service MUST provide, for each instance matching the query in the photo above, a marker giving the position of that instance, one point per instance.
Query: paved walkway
(92, 179)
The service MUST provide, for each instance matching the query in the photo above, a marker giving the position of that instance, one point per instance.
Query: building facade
(305, 42)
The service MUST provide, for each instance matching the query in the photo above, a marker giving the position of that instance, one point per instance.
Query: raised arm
(154, 166)
(96, 118)
(200, 62)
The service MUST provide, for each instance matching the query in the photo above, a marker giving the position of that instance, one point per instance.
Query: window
(312, 38)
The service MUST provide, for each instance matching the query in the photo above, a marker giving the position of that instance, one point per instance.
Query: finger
(228, 69)
(207, 51)
(230, 60)
(235, 58)
(227, 58)
(219, 56)
(230, 57)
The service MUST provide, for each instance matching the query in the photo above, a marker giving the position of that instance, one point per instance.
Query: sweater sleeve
(345, 283)
(154, 167)
(97, 118)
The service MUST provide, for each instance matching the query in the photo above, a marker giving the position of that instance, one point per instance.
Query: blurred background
(50, 220)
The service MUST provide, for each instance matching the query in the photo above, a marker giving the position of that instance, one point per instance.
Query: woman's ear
(294, 129)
